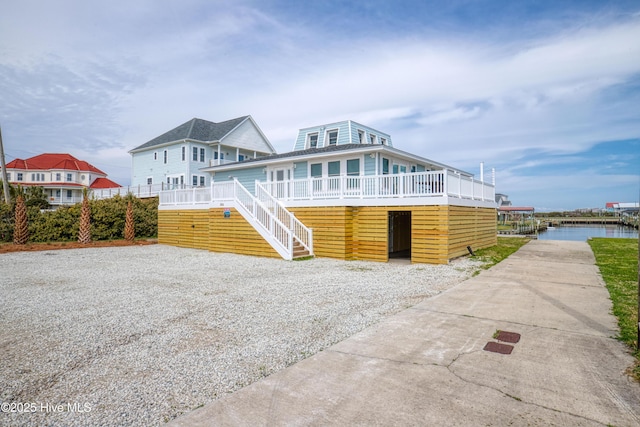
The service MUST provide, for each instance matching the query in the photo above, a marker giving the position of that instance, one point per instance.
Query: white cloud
(103, 77)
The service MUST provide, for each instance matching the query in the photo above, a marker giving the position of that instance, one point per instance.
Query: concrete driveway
(432, 365)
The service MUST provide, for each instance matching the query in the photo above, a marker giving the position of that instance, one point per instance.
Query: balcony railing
(416, 185)
(140, 191)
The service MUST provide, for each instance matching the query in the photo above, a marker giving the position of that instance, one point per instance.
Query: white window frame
(360, 136)
(373, 139)
(309, 135)
(327, 138)
(194, 154)
(202, 155)
(149, 180)
(184, 153)
(165, 158)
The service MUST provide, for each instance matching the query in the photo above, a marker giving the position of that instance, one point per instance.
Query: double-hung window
(166, 156)
(202, 155)
(313, 140)
(195, 154)
(332, 135)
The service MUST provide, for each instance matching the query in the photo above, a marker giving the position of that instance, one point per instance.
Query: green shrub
(62, 224)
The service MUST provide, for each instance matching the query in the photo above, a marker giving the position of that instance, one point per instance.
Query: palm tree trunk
(84, 233)
(21, 229)
(129, 229)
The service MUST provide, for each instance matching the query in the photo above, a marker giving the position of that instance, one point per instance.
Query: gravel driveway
(139, 335)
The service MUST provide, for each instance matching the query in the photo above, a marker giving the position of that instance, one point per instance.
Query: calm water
(582, 233)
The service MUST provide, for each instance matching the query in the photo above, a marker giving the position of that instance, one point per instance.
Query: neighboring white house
(62, 176)
(175, 158)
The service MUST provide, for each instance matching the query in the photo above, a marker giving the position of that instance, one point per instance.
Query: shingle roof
(308, 151)
(196, 129)
(49, 161)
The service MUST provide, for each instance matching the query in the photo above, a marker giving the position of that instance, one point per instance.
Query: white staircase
(279, 227)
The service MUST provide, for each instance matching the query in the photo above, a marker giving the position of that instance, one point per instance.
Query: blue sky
(545, 92)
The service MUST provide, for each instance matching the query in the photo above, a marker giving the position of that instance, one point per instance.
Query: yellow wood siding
(235, 235)
(370, 233)
(469, 226)
(438, 233)
(332, 229)
(187, 228)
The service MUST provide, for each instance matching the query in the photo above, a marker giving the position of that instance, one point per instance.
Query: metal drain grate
(512, 337)
(496, 347)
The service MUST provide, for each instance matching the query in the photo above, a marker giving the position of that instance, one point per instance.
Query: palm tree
(84, 233)
(129, 228)
(20, 228)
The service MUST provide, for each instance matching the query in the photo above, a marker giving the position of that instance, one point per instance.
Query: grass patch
(505, 247)
(617, 260)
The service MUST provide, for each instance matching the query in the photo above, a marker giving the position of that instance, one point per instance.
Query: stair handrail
(263, 220)
(301, 232)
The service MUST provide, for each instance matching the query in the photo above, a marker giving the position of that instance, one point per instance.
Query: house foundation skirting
(434, 234)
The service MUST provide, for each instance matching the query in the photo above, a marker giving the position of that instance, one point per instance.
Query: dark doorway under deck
(400, 234)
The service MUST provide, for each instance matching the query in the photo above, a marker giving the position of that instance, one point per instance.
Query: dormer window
(312, 140)
(383, 141)
(372, 139)
(360, 137)
(332, 136)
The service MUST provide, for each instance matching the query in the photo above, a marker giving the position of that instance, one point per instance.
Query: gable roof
(53, 161)
(196, 129)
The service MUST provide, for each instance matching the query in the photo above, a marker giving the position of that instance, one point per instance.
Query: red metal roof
(104, 183)
(53, 161)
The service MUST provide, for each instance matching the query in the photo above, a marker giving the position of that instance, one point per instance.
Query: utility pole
(5, 182)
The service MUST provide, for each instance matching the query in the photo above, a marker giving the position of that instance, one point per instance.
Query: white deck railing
(418, 184)
(140, 191)
(300, 232)
(274, 223)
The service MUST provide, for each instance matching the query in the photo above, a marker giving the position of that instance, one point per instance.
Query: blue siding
(369, 165)
(300, 170)
(247, 177)
(347, 134)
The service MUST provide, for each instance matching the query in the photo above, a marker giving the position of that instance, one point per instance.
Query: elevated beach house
(343, 192)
